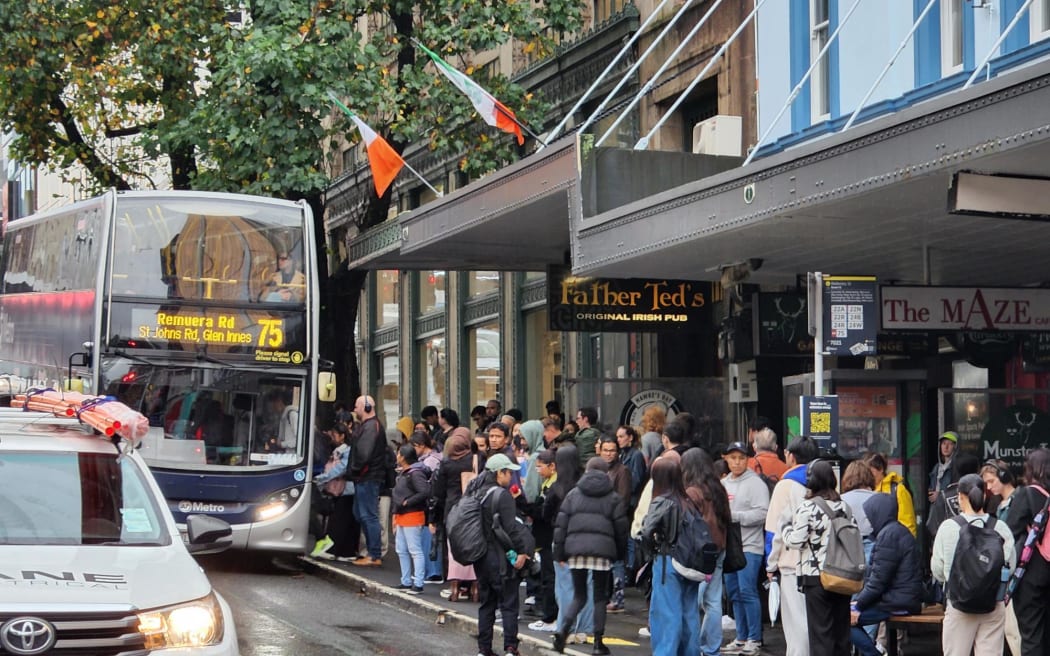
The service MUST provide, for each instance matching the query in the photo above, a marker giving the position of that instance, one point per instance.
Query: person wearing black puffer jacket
(893, 582)
(590, 535)
(409, 502)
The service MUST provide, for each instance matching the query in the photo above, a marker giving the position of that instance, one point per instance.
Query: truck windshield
(57, 498)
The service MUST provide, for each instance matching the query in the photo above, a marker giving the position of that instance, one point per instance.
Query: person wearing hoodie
(532, 432)
(589, 536)
(748, 505)
(543, 531)
(893, 580)
(409, 502)
(568, 467)
(787, 496)
(887, 482)
(947, 504)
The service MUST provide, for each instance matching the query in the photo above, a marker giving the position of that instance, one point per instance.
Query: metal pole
(645, 55)
(663, 67)
(643, 143)
(608, 69)
(998, 42)
(818, 340)
(801, 83)
(890, 63)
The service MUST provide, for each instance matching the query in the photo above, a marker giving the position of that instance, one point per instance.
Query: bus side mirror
(326, 387)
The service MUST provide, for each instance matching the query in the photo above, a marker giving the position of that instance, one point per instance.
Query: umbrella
(774, 602)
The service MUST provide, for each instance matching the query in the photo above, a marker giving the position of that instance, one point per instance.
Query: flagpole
(350, 112)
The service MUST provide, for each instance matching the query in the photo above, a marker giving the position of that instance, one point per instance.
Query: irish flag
(492, 111)
(382, 158)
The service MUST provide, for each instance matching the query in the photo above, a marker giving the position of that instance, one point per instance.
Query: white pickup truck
(91, 561)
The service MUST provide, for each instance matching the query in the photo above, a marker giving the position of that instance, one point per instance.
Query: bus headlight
(193, 624)
(277, 503)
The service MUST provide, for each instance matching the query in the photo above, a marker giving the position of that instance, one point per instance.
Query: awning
(871, 201)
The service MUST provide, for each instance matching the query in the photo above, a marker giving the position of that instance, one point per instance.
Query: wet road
(283, 614)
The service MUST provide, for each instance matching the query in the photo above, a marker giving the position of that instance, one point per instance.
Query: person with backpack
(947, 504)
(589, 536)
(748, 504)
(817, 534)
(893, 579)
(766, 462)
(787, 497)
(972, 554)
(368, 465)
(508, 547)
(673, 618)
(1027, 517)
(409, 501)
(1000, 485)
(460, 465)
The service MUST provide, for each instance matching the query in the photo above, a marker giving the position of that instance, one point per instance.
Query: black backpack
(977, 567)
(465, 528)
(694, 555)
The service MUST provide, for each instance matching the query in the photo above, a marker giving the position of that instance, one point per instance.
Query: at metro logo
(965, 308)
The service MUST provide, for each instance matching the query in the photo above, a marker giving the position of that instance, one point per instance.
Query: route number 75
(272, 334)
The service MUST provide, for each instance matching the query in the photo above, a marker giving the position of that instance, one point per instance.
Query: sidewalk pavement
(621, 632)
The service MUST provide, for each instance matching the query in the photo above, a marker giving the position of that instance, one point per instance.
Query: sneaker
(751, 647)
(576, 639)
(415, 590)
(735, 647)
(403, 587)
(644, 632)
(530, 600)
(446, 594)
(728, 623)
(613, 608)
(322, 546)
(324, 555)
(368, 562)
(546, 627)
(435, 579)
(346, 559)
(512, 650)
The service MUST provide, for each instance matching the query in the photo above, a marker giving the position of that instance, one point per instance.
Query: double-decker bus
(200, 311)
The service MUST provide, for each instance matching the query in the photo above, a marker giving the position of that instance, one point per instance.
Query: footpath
(380, 584)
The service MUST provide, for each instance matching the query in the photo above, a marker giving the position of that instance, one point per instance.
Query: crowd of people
(576, 515)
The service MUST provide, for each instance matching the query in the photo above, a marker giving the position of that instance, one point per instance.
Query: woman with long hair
(672, 609)
(653, 420)
(963, 632)
(462, 461)
(698, 475)
(1029, 600)
(567, 466)
(829, 626)
(341, 540)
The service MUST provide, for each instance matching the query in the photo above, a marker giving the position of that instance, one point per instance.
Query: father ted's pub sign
(624, 304)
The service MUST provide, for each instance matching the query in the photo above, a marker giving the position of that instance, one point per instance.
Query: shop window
(483, 363)
(542, 363)
(480, 283)
(387, 298)
(388, 398)
(432, 371)
(431, 291)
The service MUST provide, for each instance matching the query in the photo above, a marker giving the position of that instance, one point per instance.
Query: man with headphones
(368, 472)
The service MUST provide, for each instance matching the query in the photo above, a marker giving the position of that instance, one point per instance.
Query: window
(388, 400)
(606, 9)
(350, 159)
(1039, 17)
(480, 283)
(432, 370)
(431, 291)
(819, 83)
(387, 299)
(542, 364)
(483, 363)
(951, 37)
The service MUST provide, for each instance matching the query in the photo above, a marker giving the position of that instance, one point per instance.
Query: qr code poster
(820, 420)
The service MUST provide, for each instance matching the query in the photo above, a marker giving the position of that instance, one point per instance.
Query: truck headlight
(193, 624)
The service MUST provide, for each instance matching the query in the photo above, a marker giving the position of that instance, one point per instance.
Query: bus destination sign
(264, 335)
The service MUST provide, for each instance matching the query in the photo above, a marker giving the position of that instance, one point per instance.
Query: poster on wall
(867, 420)
(1013, 433)
(634, 409)
(820, 420)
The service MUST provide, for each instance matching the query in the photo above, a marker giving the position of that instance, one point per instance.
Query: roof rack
(19, 416)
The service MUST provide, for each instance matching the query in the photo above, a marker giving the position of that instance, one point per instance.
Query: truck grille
(90, 634)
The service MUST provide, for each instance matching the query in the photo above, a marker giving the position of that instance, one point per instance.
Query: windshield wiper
(133, 358)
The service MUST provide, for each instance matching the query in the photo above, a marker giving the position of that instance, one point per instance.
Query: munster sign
(965, 308)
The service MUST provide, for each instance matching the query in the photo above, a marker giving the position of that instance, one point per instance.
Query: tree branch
(101, 171)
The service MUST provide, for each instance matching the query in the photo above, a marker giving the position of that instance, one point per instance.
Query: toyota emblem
(27, 636)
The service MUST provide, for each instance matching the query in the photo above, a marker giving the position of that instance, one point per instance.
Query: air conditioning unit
(718, 135)
(743, 382)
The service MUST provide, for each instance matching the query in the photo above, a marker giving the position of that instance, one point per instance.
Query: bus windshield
(205, 248)
(203, 416)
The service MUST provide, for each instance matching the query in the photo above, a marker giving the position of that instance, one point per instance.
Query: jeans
(496, 590)
(711, 610)
(742, 590)
(858, 635)
(619, 582)
(563, 593)
(433, 567)
(409, 547)
(366, 510)
(673, 618)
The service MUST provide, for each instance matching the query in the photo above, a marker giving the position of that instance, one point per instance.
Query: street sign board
(850, 315)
